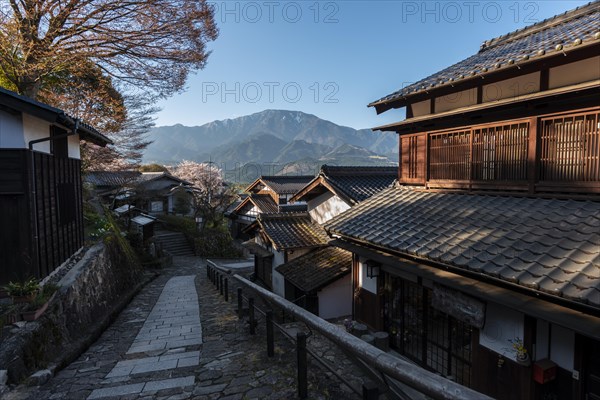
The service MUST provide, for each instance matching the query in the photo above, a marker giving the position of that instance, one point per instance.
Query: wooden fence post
(370, 391)
(226, 290)
(240, 301)
(251, 315)
(221, 284)
(302, 365)
(270, 335)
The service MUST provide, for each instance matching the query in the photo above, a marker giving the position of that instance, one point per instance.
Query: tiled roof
(111, 178)
(359, 183)
(286, 184)
(318, 268)
(264, 203)
(352, 184)
(544, 244)
(53, 115)
(292, 230)
(552, 36)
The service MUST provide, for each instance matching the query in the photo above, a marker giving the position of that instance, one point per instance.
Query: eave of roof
(318, 268)
(456, 78)
(511, 101)
(51, 114)
(291, 231)
(545, 246)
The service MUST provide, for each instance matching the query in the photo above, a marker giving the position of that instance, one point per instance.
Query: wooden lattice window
(500, 152)
(413, 158)
(450, 155)
(570, 148)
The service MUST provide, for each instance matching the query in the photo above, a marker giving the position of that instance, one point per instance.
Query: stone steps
(174, 243)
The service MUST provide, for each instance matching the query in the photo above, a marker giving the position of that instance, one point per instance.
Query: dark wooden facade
(41, 213)
(551, 153)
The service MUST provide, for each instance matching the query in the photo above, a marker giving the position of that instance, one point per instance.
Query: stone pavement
(179, 339)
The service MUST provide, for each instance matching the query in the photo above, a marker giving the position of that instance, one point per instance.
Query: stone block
(39, 378)
(382, 341)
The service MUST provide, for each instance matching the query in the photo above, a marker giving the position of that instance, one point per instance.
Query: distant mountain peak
(280, 136)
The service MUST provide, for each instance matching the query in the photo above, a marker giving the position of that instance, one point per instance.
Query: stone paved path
(158, 348)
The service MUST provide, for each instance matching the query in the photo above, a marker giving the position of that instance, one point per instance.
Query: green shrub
(186, 225)
(216, 243)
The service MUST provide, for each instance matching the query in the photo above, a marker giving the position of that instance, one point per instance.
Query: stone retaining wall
(90, 295)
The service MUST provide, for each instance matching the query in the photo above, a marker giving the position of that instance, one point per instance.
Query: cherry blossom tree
(211, 194)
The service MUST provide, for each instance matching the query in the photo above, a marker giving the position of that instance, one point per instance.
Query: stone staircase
(174, 243)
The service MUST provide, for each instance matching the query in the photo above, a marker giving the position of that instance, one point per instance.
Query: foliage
(105, 62)
(42, 297)
(519, 347)
(185, 225)
(181, 201)
(123, 246)
(152, 44)
(24, 288)
(211, 194)
(216, 243)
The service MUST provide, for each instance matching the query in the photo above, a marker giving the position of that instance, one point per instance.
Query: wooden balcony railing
(549, 154)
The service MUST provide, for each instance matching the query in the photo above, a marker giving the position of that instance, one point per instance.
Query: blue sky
(331, 58)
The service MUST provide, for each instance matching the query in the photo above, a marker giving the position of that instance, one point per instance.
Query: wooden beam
(533, 154)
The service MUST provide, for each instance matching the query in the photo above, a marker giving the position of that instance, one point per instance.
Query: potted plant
(40, 303)
(23, 292)
(521, 352)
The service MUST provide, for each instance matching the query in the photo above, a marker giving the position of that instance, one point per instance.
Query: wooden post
(270, 336)
(208, 270)
(221, 284)
(251, 315)
(302, 365)
(240, 301)
(226, 290)
(370, 391)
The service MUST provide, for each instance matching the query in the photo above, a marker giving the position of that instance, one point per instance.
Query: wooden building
(266, 195)
(338, 188)
(40, 186)
(282, 237)
(492, 235)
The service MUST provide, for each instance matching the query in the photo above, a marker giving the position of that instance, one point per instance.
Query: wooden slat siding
(57, 241)
(570, 148)
(413, 151)
(500, 153)
(13, 167)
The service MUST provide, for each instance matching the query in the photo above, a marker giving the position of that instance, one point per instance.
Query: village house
(483, 262)
(280, 238)
(266, 195)
(337, 188)
(41, 205)
(155, 193)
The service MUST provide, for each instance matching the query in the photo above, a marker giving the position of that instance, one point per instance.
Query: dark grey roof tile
(592, 296)
(527, 279)
(451, 228)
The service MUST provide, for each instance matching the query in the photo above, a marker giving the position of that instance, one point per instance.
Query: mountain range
(272, 137)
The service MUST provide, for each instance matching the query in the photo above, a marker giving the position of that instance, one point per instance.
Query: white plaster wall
(335, 300)
(456, 100)
(35, 128)
(278, 280)
(364, 282)
(421, 108)
(325, 207)
(73, 147)
(11, 131)
(502, 325)
(512, 88)
(573, 73)
(562, 347)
